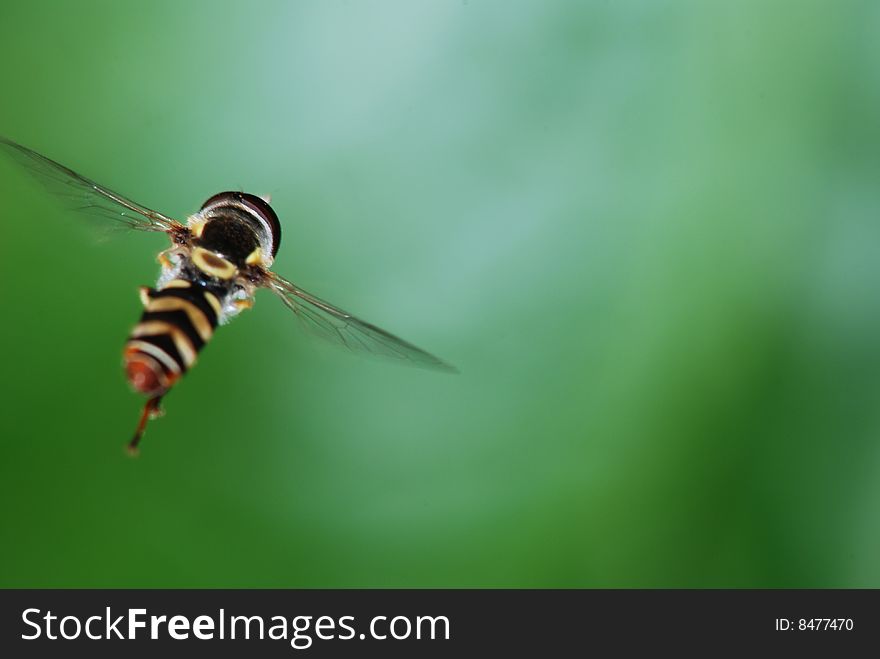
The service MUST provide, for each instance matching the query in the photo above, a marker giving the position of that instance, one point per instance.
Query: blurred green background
(646, 232)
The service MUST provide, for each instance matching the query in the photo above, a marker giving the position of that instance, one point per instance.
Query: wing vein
(83, 194)
(340, 327)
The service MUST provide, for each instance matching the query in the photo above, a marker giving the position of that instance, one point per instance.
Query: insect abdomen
(176, 324)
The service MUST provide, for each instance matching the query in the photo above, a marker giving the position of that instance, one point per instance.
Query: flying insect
(218, 258)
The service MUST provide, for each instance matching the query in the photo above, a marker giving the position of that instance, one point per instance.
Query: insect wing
(341, 328)
(83, 194)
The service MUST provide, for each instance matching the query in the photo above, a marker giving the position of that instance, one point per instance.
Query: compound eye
(256, 206)
(221, 197)
(262, 208)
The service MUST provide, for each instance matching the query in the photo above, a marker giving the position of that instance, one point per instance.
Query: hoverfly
(217, 260)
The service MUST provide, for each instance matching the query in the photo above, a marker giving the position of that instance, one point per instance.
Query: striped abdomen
(177, 322)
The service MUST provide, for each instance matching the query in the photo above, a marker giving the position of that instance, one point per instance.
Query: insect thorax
(230, 236)
(234, 294)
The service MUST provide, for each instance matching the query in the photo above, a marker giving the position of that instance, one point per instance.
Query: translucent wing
(84, 194)
(340, 327)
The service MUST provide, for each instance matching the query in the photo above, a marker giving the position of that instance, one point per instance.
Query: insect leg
(151, 410)
(164, 258)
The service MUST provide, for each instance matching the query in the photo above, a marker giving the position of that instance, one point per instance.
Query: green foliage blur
(646, 233)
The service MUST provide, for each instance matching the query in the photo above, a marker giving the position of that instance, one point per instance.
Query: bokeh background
(646, 232)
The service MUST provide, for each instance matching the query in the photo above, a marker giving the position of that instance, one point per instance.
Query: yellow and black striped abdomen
(176, 324)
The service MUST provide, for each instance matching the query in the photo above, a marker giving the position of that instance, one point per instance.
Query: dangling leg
(165, 257)
(151, 410)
